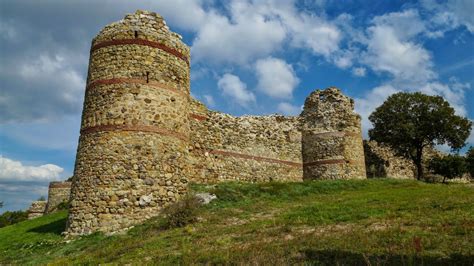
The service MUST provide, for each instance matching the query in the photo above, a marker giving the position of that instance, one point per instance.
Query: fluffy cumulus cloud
(276, 78)
(253, 29)
(15, 170)
(373, 99)
(288, 109)
(450, 14)
(40, 88)
(392, 47)
(453, 92)
(231, 86)
(246, 35)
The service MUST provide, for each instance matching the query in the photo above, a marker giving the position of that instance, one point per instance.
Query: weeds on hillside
(181, 213)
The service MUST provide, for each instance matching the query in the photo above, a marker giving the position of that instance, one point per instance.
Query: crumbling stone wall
(131, 156)
(331, 137)
(143, 138)
(381, 161)
(36, 209)
(58, 192)
(247, 148)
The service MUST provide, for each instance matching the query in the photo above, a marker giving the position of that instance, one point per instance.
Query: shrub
(470, 161)
(62, 206)
(450, 166)
(181, 213)
(9, 218)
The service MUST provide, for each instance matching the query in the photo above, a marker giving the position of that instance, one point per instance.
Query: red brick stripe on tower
(143, 42)
(255, 158)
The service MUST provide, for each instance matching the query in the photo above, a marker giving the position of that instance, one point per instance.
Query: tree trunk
(419, 170)
(419, 163)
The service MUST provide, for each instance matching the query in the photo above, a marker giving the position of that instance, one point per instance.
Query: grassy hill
(381, 221)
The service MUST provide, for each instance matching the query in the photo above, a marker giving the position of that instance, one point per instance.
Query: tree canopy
(470, 161)
(450, 166)
(410, 122)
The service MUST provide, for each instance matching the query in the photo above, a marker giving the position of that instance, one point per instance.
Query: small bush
(451, 166)
(9, 218)
(470, 161)
(62, 206)
(181, 213)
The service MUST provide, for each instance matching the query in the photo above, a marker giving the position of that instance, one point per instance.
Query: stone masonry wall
(247, 148)
(331, 137)
(36, 209)
(58, 192)
(131, 155)
(381, 161)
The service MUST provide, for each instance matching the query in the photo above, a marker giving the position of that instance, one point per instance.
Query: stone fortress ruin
(144, 138)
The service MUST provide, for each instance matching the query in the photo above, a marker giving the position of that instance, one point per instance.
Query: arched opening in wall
(136, 34)
(147, 77)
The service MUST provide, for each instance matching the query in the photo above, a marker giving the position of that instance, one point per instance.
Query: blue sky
(248, 57)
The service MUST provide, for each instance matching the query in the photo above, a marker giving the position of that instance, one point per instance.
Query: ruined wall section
(134, 133)
(332, 145)
(36, 209)
(381, 161)
(58, 192)
(247, 148)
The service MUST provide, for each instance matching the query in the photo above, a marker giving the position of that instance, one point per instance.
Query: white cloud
(359, 71)
(312, 32)
(276, 78)
(209, 100)
(232, 86)
(454, 93)
(40, 89)
(253, 29)
(405, 25)
(191, 14)
(288, 109)
(373, 99)
(244, 36)
(15, 170)
(404, 60)
(450, 14)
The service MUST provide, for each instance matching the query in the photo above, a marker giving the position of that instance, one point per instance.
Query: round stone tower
(332, 145)
(131, 156)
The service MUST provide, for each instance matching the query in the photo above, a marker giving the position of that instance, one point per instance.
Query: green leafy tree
(470, 161)
(450, 166)
(410, 122)
(9, 218)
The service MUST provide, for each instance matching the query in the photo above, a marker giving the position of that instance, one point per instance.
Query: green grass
(381, 221)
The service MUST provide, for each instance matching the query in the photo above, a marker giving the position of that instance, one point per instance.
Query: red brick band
(198, 117)
(56, 184)
(154, 84)
(255, 158)
(137, 128)
(143, 42)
